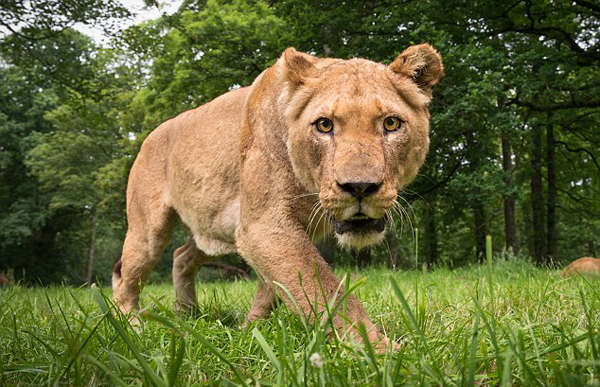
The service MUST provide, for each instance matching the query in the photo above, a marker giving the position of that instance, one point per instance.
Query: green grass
(519, 326)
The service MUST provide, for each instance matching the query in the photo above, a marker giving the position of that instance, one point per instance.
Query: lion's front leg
(284, 257)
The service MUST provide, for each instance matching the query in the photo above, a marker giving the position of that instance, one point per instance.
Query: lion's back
(204, 164)
(585, 265)
(190, 163)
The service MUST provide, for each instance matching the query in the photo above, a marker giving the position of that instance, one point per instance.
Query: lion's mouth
(359, 223)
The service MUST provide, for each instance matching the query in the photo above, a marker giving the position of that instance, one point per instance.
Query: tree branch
(586, 4)
(437, 184)
(556, 106)
(578, 150)
(230, 268)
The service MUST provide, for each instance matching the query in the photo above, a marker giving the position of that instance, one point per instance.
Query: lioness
(312, 147)
(585, 265)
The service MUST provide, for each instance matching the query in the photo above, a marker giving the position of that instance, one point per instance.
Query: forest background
(515, 132)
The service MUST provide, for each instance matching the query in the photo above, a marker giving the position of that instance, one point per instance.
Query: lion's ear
(298, 66)
(422, 64)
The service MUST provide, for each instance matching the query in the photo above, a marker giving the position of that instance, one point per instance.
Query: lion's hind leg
(187, 259)
(148, 234)
(263, 302)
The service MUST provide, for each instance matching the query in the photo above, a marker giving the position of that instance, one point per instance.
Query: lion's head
(358, 131)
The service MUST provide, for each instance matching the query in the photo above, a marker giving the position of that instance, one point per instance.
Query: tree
(26, 227)
(44, 173)
(37, 20)
(206, 51)
(66, 164)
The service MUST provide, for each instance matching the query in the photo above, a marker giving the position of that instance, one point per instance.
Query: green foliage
(35, 20)
(23, 212)
(206, 52)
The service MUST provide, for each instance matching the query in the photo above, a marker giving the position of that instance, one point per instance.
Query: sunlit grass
(519, 326)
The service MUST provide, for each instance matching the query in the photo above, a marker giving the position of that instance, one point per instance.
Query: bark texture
(510, 223)
(537, 198)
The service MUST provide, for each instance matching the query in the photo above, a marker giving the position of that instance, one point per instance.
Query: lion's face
(358, 131)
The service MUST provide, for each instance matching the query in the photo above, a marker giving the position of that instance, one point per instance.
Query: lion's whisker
(407, 215)
(409, 191)
(315, 212)
(402, 213)
(318, 222)
(400, 216)
(390, 220)
(408, 204)
(390, 252)
(311, 216)
(303, 195)
(314, 225)
(329, 225)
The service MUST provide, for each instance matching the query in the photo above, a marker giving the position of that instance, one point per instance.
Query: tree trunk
(528, 227)
(591, 248)
(91, 250)
(476, 202)
(510, 223)
(327, 249)
(432, 256)
(363, 258)
(551, 173)
(537, 199)
(393, 247)
(480, 230)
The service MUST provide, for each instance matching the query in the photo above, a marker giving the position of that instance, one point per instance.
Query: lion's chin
(359, 240)
(359, 231)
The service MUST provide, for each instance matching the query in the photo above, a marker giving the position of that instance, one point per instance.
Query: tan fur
(248, 172)
(585, 266)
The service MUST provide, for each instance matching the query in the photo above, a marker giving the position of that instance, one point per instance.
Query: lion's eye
(391, 124)
(324, 125)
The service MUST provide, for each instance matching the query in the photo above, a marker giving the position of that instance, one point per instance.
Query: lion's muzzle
(359, 224)
(359, 211)
(361, 189)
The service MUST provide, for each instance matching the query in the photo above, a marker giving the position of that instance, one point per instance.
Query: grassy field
(515, 325)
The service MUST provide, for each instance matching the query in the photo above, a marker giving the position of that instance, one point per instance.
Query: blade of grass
(198, 337)
(80, 350)
(293, 300)
(417, 328)
(542, 299)
(106, 371)
(267, 348)
(368, 347)
(176, 361)
(506, 374)
(473, 351)
(148, 372)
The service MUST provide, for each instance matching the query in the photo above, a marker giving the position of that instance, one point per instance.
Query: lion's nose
(360, 189)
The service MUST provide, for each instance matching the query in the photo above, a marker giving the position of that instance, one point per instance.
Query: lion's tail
(116, 276)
